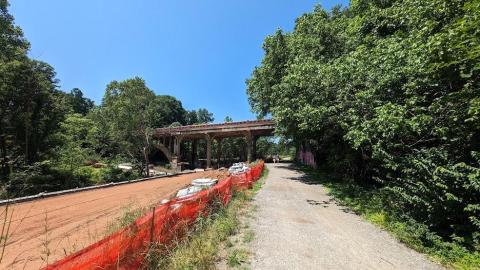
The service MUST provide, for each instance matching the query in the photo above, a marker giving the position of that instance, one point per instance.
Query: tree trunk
(145, 154)
(26, 145)
(3, 149)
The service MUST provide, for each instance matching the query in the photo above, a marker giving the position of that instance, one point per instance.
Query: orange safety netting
(125, 249)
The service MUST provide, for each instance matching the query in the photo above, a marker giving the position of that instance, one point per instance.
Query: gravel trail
(299, 226)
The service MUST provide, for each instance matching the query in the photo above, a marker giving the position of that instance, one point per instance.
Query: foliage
(49, 138)
(166, 110)
(387, 94)
(370, 203)
(204, 116)
(267, 147)
(228, 119)
(200, 116)
(76, 148)
(80, 104)
(128, 107)
(42, 177)
(31, 107)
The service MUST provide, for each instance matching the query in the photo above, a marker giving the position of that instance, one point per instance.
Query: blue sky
(201, 52)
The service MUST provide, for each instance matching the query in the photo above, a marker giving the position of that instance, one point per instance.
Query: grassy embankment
(201, 248)
(369, 203)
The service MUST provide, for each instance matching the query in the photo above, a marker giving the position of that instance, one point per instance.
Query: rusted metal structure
(168, 140)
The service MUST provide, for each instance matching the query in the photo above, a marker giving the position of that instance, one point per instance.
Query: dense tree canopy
(79, 103)
(167, 110)
(128, 105)
(387, 93)
(30, 105)
(200, 116)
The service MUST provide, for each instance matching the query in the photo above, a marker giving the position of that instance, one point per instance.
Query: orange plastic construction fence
(125, 249)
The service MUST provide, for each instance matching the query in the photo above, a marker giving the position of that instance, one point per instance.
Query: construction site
(234, 135)
(45, 228)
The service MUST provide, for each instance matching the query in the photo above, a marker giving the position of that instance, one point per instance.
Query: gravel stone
(299, 226)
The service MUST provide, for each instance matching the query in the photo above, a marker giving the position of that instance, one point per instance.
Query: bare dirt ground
(48, 229)
(299, 226)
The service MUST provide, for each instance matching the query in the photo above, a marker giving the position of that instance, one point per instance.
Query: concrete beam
(176, 153)
(219, 151)
(208, 138)
(249, 138)
(194, 160)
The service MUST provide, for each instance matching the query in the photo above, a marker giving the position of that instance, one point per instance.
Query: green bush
(42, 177)
(386, 94)
(112, 174)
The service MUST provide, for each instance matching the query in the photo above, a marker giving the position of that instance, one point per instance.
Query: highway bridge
(168, 139)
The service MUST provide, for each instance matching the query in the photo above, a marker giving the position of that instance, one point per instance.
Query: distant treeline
(387, 94)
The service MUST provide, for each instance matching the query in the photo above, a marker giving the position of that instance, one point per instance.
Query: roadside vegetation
(386, 95)
(129, 214)
(372, 204)
(201, 247)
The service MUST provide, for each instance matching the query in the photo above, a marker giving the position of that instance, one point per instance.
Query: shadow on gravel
(331, 202)
(323, 203)
(305, 178)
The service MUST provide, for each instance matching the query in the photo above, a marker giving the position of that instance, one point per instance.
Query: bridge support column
(208, 138)
(219, 151)
(254, 148)
(176, 153)
(251, 146)
(194, 153)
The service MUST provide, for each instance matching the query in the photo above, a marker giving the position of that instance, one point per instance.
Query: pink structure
(305, 156)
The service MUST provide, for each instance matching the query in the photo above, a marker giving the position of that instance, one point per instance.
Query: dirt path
(64, 224)
(298, 226)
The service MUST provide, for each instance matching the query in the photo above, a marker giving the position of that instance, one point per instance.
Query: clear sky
(201, 52)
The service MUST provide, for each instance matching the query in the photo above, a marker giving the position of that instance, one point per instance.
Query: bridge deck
(169, 139)
(223, 130)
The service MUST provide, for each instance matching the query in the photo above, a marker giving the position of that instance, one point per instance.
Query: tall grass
(129, 214)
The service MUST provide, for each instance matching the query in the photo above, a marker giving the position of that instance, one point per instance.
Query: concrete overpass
(168, 139)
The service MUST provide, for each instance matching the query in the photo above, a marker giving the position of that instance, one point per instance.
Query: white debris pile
(196, 186)
(125, 166)
(204, 182)
(237, 168)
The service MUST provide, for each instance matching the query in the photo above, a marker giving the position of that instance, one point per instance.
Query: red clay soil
(48, 229)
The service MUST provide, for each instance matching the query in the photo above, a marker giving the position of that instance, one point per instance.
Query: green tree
(79, 103)
(386, 93)
(204, 116)
(127, 106)
(31, 107)
(166, 110)
(200, 116)
(75, 132)
(191, 117)
(228, 119)
(12, 42)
